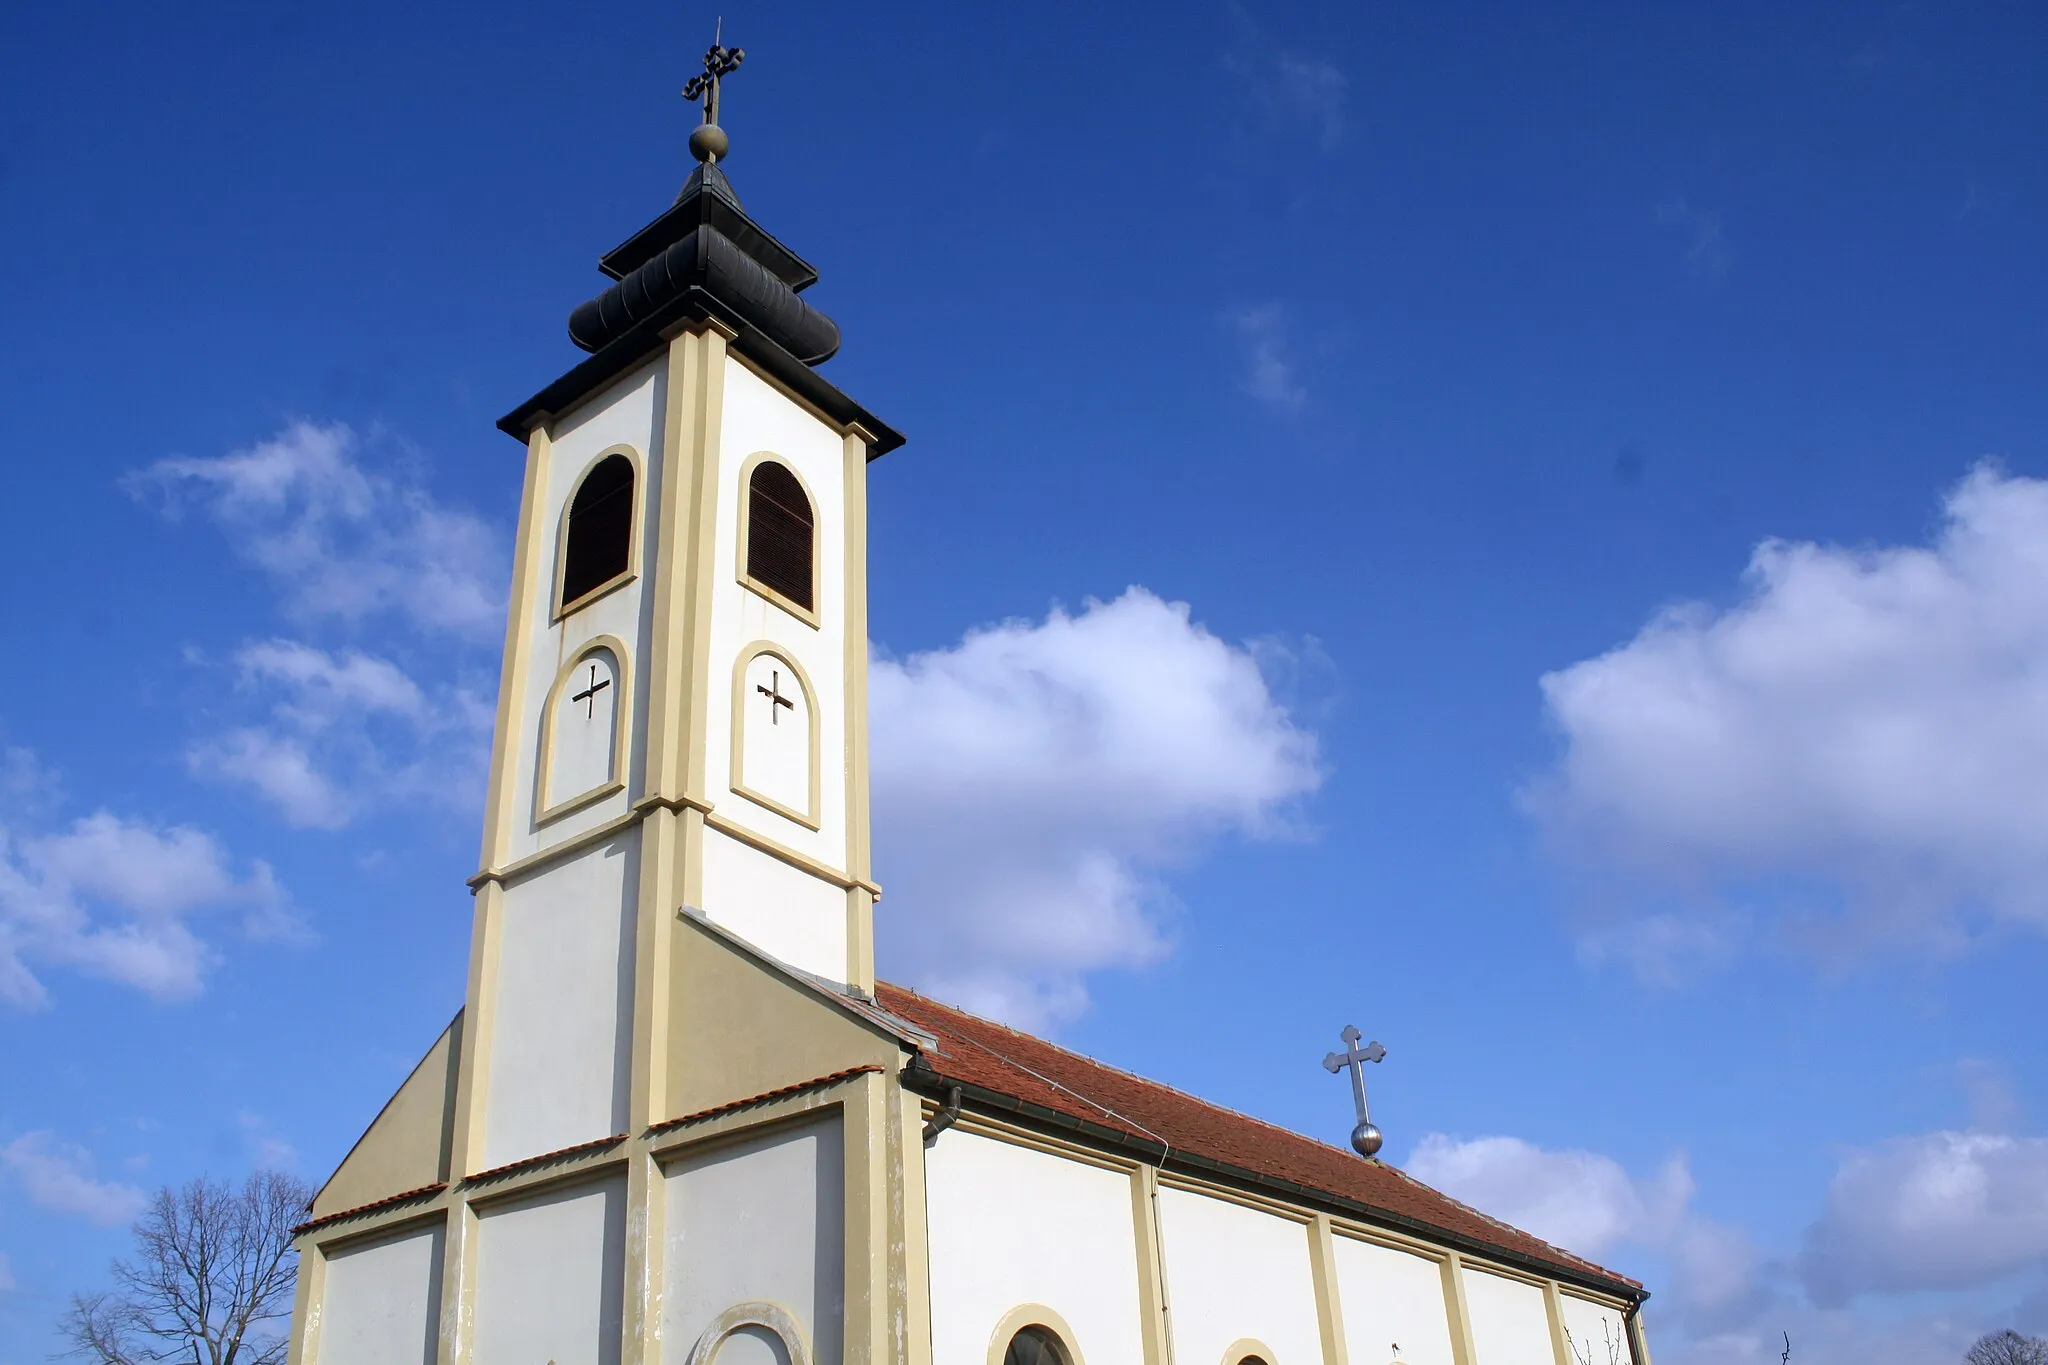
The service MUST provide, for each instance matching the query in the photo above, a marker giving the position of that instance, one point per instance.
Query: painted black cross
(589, 694)
(773, 692)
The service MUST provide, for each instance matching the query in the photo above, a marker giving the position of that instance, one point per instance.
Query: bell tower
(682, 715)
(668, 1112)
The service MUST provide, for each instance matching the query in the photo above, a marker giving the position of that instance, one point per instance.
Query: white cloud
(1032, 781)
(267, 1151)
(114, 898)
(1854, 751)
(58, 1176)
(344, 731)
(347, 535)
(1590, 1205)
(1940, 1210)
(280, 770)
(1581, 1201)
(324, 686)
(340, 537)
(1268, 373)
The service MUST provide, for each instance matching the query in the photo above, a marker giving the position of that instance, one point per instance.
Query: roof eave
(923, 1077)
(646, 338)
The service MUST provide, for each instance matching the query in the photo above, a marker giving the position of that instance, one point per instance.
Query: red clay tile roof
(781, 1092)
(388, 1201)
(545, 1158)
(977, 1053)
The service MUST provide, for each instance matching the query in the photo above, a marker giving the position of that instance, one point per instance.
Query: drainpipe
(945, 1118)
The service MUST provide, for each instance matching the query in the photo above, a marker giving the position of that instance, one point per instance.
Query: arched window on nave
(1035, 1345)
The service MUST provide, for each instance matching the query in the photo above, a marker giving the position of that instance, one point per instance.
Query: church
(677, 1120)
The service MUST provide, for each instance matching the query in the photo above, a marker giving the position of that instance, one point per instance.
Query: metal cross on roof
(1365, 1138)
(719, 62)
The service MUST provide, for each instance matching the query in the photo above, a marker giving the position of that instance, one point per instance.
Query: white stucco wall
(1011, 1226)
(627, 413)
(784, 911)
(1234, 1272)
(382, 1302)
(738, 894)
(1598, 1334)
(561, 1026)
(759, 420)
(1509, 1323)
(550, 1279)
(758, 1220)
(1391, 1298)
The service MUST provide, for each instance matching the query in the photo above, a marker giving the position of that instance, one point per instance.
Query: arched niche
(583, 730)
(775, 733)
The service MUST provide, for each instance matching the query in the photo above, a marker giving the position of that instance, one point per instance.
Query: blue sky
(1599, 450)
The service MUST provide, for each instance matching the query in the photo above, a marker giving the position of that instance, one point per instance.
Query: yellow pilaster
(867, 1222)
(860, 902)
(1462, 1352)
(908, 1189)
(458, 1287)
(1329, 1308)
(1553, 1309)
(645, 1268)
(529, 567)
(307, 1296)
(1156, 1330)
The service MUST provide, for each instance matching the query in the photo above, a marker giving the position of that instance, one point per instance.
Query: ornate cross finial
(1365, 1138)
(708, 141)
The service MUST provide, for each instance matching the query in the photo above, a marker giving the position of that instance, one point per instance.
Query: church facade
(677, 1120)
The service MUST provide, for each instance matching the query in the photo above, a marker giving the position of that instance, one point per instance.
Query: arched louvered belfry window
(781, 540)
(598, 540)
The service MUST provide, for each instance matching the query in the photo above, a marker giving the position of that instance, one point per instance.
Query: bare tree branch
(2007, 1348)
(210, 1281)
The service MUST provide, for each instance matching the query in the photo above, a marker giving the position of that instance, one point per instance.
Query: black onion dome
(704, 260)
(707, 246)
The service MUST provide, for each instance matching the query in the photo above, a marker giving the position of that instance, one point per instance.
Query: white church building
(677, 1121)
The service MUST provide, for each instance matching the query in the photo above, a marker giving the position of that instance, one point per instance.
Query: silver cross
(1365, 1138)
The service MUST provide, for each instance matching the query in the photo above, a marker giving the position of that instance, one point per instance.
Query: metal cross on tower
(773, 692)
(1365, 1138)
(708, 141)
(589, 694)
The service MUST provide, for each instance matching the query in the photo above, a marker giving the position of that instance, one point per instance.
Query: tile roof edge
(388, 1201)
(1563, 1259)
(781, 1092)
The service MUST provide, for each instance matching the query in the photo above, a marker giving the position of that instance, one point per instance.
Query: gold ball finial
(708, 142)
